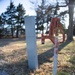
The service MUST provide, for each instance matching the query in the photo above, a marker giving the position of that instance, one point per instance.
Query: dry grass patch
(13, 58)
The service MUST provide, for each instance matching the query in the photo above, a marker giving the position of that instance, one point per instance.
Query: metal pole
(55, 56)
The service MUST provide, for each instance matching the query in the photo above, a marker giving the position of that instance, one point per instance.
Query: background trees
(20, 12)
(13, 18)
(44, 13)
(71, 23)
(1, 30)
(45, 10)
(10, 16)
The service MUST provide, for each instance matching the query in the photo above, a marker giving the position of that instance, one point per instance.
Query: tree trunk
(17, 32)
(37, 30)
(70, 28)
(12, 32)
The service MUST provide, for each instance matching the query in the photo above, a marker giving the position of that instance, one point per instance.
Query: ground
(13, 57)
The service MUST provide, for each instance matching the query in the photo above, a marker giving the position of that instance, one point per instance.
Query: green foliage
(1, 33)
(41, 27)
(20, 12)
(0, 20)
(72, 60)
(3, 16)
(43, 12)
(10, 13)
(14, 17)
(10, 19)
(46, 12)
(62, 73)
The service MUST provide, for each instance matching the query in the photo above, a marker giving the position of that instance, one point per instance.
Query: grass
(14, 56)
(72, 60)
(62, 73)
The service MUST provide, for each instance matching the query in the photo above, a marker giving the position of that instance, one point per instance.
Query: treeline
(12, 20)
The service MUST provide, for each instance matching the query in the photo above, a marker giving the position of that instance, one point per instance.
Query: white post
(55, 56)
(31, 42)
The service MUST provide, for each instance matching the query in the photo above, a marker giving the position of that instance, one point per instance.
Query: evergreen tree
(10, 17)
(0, 21)
(20, 12)
(3, 19)
(1, 27)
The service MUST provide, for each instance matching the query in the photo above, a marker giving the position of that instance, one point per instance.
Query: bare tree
(71, 13)
(67, 3)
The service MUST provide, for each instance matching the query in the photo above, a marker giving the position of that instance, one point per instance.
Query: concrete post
(31, 42)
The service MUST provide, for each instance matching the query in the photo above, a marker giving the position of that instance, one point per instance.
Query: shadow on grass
(4, 42)
(49, 53)
(21, 67)
(18, 68)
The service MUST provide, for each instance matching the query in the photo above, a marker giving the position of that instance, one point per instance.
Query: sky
(26, 4)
